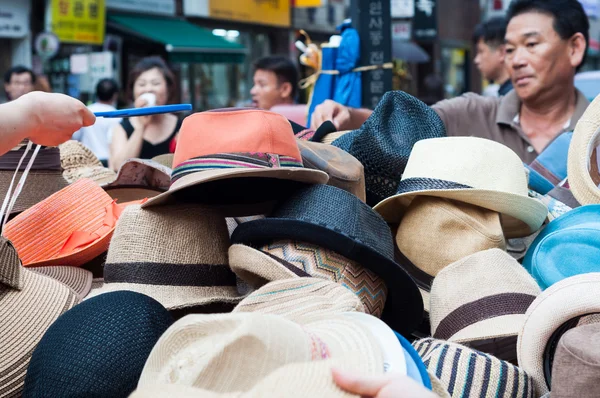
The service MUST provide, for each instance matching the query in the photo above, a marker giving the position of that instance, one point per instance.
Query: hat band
(289, 266)
(422, 278)
(47, 159)
(147, 273)
(479, 310)
(241, 160)
(417, 184)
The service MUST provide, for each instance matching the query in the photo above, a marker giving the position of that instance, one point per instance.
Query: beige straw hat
(481, 301)
(581, 164)
(78, 279)
(29, 304)
(473, 170)
(78, 162)
(226, 353)
(301, 299)
(329, 138)
(165, 159)
(566, 304)
(175, 254)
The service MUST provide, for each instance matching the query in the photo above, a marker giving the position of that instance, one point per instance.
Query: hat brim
(293, 174)
(521, 215)
(403, 309)
(130, 194)
(568, 299)
(143, 173)
(39, 186)
(78, 280)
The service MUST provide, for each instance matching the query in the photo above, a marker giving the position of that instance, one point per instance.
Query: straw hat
(44, 178)
(581, 164)
(468, 373)
(435, 232)
(175, 254)
(78, 279)
(566, 304)
(98, 348)
(473, 170)
(301, 299)
(138, 179)
(226, 353)
(236, 144)
(71, 227)
(78, 162)
(29, 304)
(481, 301)
(165, 159)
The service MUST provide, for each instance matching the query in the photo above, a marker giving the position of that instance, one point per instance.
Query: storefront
(15, 35)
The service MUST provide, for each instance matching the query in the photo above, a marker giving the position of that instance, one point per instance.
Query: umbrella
(409, 52)
(348, 84)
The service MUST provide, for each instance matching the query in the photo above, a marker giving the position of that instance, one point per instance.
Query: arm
(343, 117)
(123, 148)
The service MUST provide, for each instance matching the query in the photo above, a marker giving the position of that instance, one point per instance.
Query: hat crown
(475, 162)
(11, 273)
(74, 154)
(235, 131)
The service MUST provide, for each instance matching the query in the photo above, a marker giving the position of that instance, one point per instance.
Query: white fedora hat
(563, 306)
(472, 170)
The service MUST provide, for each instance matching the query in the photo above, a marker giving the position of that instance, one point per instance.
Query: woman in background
(150, 83)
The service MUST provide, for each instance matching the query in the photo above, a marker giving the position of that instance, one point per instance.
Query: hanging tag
(8, 196)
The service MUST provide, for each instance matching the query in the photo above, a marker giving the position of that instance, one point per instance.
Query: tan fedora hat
(301, 299)
(78, 162)
(567, 304)
(175, 254)
(473, 170)
(435, 232)
(480, 301)
(582, 164)
(226, 353)
(29, 304)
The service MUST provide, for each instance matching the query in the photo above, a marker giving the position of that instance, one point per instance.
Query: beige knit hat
(301, 299)
(29, 304)
(481, 301)
(226, 353)
(78, 162)
(175, 254)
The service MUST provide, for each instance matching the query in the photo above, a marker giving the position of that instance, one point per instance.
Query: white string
(9, 192)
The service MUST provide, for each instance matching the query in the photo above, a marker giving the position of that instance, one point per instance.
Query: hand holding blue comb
(145, 111)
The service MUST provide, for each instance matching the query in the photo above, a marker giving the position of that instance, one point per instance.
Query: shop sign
(403, 8)
(14, 18)
(425, 20)
(264, 12)
(166, 7)
(78, 21)
(307, 3)
(401, 30)
(46, 45)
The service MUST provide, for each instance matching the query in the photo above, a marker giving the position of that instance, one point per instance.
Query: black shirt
(150, 150)
(505, 88)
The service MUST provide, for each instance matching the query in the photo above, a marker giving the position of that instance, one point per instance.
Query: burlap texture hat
(582, 165)
(473, 170)
(226, 353)
(44, 179)
(71, 227)
(175, 254)
(481, 301)
(78, 162)
(435, 232)
(567, 304)
(469, 373)
(29, 304)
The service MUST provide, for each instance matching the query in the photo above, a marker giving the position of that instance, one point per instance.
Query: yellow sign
(307, 3)
(79, 21)
(268, 12)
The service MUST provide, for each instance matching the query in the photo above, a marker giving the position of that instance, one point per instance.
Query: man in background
(275, 82)
(98, 136)
(489, 42)
(18, 81)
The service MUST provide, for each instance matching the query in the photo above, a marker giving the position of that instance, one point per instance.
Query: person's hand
(337, 113)
(142, 121)
(51, 119)
(385, 386)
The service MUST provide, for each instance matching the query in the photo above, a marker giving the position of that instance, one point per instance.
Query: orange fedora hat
(70, 227)
(238, 144)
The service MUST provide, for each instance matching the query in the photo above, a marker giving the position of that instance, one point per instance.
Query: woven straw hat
(71, 227)
(586, 139)
(232, 352)
(78, 279)
(78, 162)
(44, 178)
(175, 254)
(468, 373)
(29, 304)
(566, 304)
(481, 301)
(166, 159)
(473, 170)
(301, 299)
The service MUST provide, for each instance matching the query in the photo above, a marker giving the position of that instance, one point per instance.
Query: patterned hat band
(308, 260)
(47, 159)
(241, 160)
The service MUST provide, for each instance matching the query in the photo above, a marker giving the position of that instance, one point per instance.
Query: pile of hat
(252, 261)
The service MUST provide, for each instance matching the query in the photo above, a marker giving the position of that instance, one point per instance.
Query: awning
(185, 42)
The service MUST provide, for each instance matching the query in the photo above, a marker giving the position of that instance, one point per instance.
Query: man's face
(538, 60)
(267, 91)
(489, 60)
(20, 84)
